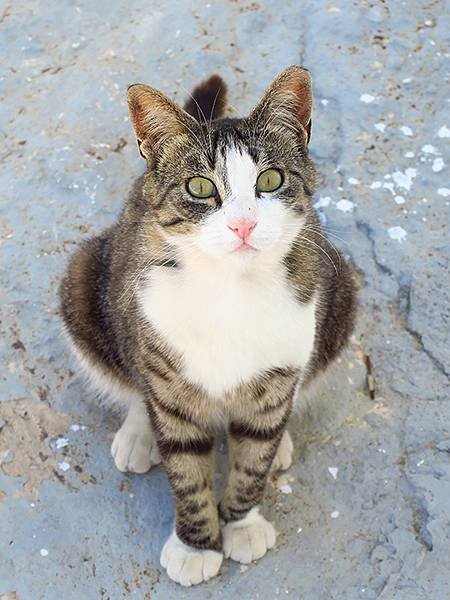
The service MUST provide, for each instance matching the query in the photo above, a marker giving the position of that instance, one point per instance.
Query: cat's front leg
(254, 437)
(193, 553)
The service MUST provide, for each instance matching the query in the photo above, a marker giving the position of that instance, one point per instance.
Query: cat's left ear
(155, 118)
(288, 100)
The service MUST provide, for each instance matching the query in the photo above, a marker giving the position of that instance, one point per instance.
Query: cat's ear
(155, 118)
(288, 100)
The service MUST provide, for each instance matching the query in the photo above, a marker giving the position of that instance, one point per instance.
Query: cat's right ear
(288, 101)
(155, 118)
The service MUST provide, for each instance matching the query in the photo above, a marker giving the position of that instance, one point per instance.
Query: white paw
(134, 449)
(248, 539)
(186, 565)
(283, 457)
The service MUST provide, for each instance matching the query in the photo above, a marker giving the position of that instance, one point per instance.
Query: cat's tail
(208, 99)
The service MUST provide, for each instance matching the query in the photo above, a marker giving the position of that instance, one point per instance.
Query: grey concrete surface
(368, 513)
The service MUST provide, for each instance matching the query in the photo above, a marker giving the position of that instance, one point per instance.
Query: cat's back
(84, 306)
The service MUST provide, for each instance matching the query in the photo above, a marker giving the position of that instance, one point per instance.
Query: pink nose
(241, 227)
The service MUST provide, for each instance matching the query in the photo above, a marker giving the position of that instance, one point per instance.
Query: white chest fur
(229, 326)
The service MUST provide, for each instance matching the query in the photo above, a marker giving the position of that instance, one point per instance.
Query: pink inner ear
(299, 85)
(155, 118)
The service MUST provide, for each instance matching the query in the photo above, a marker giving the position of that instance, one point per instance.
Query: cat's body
(169, 316)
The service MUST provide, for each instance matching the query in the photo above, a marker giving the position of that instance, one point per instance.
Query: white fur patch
(283, 457)
(103, 383)
(229, 324)
(186, 565)
(249, 538)
(241, 173)
(134, 446)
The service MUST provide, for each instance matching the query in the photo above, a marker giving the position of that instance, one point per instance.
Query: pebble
(438, 165)
(444, 132)
(397, 233)
(345, 205)
(333, 472)
(406, 130)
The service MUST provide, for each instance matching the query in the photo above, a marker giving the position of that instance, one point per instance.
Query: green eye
(269, 181)
(200, 187)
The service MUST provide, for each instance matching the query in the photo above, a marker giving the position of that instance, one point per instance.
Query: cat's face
(232, 190)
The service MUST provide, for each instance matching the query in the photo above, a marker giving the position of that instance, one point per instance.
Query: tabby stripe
(152, 368)
(173, 411)
(283, 372)
(148, 349)
(168, 447)
(191, 507)
(189, 490)
(235, 514)
(174, 222)
(241, 430)
(161, 201)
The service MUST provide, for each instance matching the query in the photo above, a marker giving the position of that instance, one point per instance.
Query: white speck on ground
(444, 132)
(367, 98)
(409, 154)
(406, 130)
(333, 472)
(285, 488)
(405, 179)
(43, 552)
(429, 149)
(397, 233)
(375, 185)
(63, 466)
(390, 187)
(399, 200)
(322, 201)
(324, 101)
(300, 529)
(75, 427)
(353, 181)
(438, 165)
(61, 442)
(380, 127)
(420, 463)
(345, 205)
(443, 192)
(334, 514)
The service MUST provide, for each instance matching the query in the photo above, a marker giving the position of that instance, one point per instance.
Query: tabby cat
(214, 298)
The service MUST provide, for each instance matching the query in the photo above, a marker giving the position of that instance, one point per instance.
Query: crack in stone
(404, 308)
(403, 298)
(367, 230)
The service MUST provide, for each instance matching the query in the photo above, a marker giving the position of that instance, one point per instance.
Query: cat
(212, 300)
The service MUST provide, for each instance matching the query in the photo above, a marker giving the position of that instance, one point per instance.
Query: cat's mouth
(245, 247)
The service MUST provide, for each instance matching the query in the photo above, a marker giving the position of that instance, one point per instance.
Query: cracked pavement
(367, 513)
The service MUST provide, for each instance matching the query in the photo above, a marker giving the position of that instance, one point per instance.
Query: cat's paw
(249, 538)
(187, 565)
(134, 449)
(283, 457)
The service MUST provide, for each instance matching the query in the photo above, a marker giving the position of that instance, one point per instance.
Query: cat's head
(230, 189)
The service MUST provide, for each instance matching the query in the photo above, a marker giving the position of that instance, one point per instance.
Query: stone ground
(367, 513)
